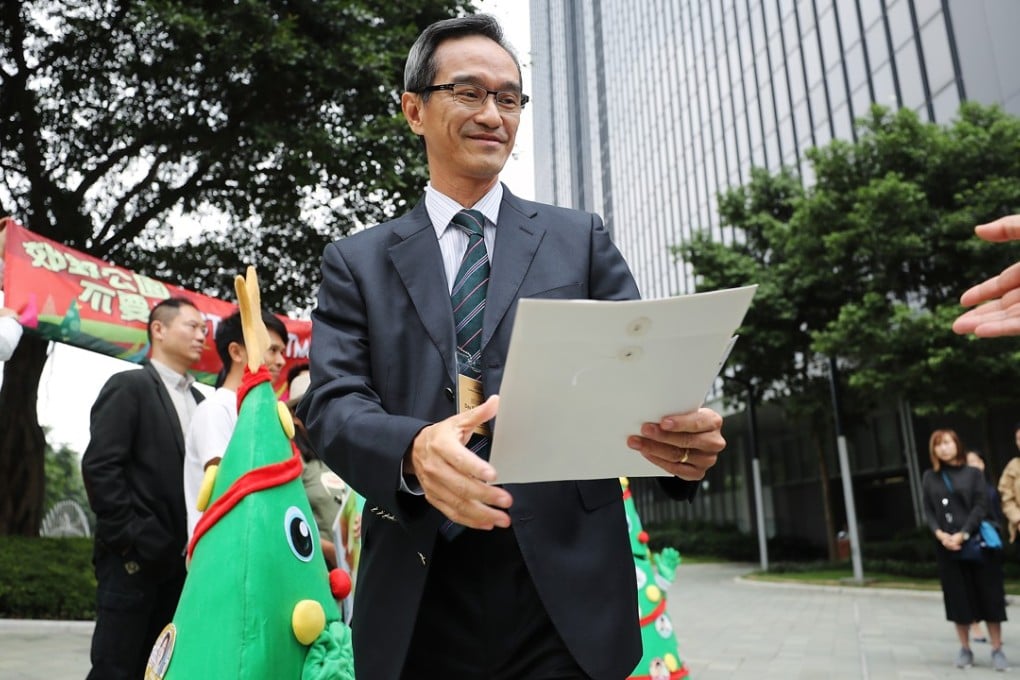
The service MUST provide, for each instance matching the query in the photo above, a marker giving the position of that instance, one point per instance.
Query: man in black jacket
(133, 471)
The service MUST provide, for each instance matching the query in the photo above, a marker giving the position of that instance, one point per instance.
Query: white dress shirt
(179, 387)
(453, 242)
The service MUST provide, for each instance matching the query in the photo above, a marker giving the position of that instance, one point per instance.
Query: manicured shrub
(46, 578)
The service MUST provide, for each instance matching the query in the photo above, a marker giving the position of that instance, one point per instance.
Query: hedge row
(910, 554)
(47, 578)
(52, 578)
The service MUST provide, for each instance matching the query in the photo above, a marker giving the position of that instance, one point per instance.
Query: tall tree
(273, 124)
(867, 264)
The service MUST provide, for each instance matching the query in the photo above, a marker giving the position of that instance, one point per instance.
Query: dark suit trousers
(481, 616)
(131, 610)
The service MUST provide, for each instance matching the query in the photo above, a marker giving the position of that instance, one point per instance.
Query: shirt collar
(172, 377)
(441, 208)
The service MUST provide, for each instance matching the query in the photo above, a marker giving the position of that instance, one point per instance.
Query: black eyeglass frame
(495, 94)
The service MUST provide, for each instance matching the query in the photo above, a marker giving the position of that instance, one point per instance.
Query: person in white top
(213, 422)
(10, 332)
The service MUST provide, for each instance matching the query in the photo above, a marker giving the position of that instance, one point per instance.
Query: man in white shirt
(10, 333)
(213, 422)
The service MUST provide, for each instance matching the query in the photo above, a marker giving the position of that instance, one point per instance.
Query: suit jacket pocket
(569, 291)
(598, 492)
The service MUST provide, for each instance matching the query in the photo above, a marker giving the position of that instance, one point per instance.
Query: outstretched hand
(1000, 313)
(455, 480)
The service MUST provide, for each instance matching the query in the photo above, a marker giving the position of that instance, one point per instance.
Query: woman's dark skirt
(972, 590)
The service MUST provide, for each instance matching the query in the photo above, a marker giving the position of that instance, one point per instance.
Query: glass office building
(645, 111)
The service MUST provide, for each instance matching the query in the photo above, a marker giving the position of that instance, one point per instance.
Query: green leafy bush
(726, 542)
(910, 554)
(46, 578)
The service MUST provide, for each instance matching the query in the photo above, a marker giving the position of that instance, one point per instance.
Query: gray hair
(421, 66)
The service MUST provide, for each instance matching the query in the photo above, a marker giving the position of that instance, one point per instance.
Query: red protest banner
(89, 303)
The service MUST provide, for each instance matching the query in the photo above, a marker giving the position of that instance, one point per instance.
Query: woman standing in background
(955, 502)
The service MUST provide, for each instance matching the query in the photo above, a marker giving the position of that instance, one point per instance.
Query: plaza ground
(728, 628)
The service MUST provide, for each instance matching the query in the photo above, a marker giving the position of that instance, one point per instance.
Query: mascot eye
(299, 534)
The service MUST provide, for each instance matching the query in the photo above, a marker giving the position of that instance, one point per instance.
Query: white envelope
(583, 375)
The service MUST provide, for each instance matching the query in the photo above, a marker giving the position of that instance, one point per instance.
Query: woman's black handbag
(970, 551)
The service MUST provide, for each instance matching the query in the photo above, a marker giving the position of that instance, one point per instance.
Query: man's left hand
(685, 445)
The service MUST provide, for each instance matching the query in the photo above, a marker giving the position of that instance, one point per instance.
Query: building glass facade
(645, 112)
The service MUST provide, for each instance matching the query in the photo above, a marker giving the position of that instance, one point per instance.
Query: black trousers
(481, 617)
(131, 610)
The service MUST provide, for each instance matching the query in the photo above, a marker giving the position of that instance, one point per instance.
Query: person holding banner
(132, 470)
(10, 333)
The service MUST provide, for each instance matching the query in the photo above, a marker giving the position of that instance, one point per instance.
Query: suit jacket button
(448, 391)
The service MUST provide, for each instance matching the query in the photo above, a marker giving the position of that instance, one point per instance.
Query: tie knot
(470, 221)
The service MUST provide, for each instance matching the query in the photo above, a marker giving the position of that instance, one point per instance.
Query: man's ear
(157, 330)
(238, 354)
(412, 105)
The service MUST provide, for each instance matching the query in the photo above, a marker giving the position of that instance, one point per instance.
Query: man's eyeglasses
(474, 96)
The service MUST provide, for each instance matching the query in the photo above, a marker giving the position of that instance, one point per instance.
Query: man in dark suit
(133, 472)
(460, 578)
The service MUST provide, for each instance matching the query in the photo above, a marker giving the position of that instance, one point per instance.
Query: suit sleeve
(344, 415)
(106, 464)
(611, 279)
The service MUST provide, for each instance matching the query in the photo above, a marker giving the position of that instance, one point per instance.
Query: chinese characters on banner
(92, 304)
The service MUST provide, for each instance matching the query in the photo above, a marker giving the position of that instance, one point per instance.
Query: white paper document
(583, 375)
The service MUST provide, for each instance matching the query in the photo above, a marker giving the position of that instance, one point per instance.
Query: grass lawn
(841, 577)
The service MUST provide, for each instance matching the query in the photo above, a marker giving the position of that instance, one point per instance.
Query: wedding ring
(687, 453)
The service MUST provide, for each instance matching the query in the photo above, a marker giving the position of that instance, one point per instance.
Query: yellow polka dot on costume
(205, 491)
(653, 593)
(307, 620)
(286, 420)
(671, 662)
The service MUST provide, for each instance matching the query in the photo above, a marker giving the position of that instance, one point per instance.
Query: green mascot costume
(258, 602)
(660, 658)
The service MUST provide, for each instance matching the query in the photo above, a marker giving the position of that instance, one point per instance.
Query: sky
(72, 377)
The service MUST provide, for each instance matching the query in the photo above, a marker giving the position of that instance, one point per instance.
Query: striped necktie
(468, 300)
(468, 294)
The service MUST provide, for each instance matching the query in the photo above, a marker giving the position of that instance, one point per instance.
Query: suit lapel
(419, 263)
(517, 240)
(168, 407)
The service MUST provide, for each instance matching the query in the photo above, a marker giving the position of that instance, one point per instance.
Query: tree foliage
(273, 126)
(867, 265)
(63, 477)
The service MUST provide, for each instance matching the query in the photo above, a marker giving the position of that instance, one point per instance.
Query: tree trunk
(22, 441)
(823, 473)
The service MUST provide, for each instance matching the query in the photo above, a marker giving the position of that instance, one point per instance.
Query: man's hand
(454, 479)
(1000, 315)
(684, 444)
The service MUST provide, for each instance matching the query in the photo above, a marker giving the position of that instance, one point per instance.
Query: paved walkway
(728, 629)
(739, 630)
